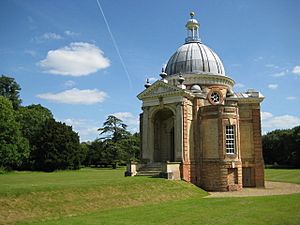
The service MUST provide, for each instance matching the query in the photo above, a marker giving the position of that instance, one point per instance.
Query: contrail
(115, 44)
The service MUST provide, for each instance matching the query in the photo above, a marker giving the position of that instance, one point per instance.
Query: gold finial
(192, 14)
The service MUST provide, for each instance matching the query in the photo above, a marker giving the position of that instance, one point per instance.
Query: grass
(230, 211)
(105, 196)
(15, 183)
(34, 195)
(283, 175)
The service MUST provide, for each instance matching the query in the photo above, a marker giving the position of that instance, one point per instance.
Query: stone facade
(196, 128)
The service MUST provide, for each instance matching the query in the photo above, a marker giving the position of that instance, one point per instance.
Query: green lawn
(283, 175)
(255, 210)
(105, 196)
(33, 195)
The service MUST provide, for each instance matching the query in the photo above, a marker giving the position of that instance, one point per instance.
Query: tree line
(282, 147)
(31, 139)
(117, 146)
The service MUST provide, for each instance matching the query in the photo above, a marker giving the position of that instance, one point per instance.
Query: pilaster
(257, 141)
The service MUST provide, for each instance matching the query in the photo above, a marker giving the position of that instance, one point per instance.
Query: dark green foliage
(83, 152)
(117, 147)
(120, 146)
(95, 153)
(13, 147)
(114, 128)
(30, 138)
(282, 147)
(130, 147)
(10, 89)
(112, 152)
(58, 148)
(32, 118)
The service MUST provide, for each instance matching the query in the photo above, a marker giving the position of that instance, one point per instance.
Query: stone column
(151, 127)
(178, 133)
(145, 132)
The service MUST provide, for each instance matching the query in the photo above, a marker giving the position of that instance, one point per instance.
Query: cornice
(162, 89)
(204, 79)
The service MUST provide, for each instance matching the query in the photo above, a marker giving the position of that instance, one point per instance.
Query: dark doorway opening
(164, 147)
(248, 177)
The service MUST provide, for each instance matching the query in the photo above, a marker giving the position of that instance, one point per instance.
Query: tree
(103, 153)
(13, 147)
(114, 128)
(130, 146)
(10, 89)
(119, 145)
(296, 146)
(58, 148)
(95, 154)
(32, 119)
(282, 147)
(84, 150)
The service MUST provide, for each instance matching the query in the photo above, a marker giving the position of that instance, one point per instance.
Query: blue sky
(63, 56)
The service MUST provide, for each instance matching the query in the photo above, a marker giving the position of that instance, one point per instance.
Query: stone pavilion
(195, 127)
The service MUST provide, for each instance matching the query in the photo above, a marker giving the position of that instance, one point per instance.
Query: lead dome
(193, 57)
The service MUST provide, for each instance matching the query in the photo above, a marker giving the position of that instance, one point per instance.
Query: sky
(85, 60)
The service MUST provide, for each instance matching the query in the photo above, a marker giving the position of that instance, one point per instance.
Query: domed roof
(193, 57)
(196, 58)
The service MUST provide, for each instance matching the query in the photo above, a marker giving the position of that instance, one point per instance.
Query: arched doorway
(164, 147)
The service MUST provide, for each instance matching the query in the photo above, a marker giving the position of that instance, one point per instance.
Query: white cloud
(266, 115)
(280, 74)
(296, 70)
(77, 59)
(239, 85)
(272, 66)
(75, 96)
(259, 58)
(152, 79)
(73, 122)
(129, 119)
(69, 83)
(291, 98)
(51, 36)
(70, 33)
(47, 36)
(87, 129)
(273, 86)
(271, 122)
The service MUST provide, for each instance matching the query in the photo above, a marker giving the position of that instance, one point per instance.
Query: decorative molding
(203, 79)
(160, 89)
(249, 100)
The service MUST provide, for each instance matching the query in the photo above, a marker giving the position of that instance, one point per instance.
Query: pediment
(158, 89)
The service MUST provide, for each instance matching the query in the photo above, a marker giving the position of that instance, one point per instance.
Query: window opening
(230, 139)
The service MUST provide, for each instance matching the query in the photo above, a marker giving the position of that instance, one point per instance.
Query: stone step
(148, 173)
(150, 169)
(153, 169)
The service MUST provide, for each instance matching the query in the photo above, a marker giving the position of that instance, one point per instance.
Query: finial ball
(192, 14)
